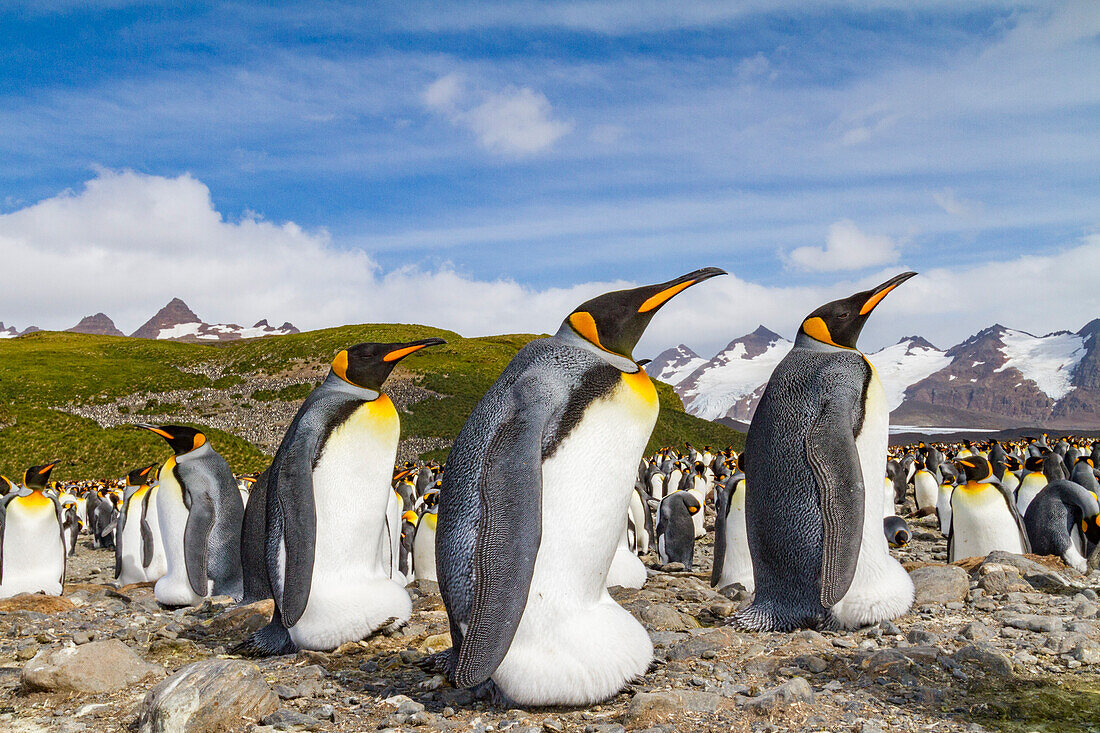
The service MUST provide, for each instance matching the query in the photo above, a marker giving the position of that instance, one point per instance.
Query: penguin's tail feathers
(272, 640)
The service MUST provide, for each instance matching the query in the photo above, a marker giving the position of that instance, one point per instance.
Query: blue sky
(527, 153)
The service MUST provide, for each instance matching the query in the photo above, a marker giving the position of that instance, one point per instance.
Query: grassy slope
(47, 369)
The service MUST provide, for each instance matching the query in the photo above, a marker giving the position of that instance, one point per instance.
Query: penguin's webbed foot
(272, 640)
(488, 690)
(440, 663)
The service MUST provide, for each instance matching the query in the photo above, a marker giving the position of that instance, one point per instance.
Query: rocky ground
(1002, 643)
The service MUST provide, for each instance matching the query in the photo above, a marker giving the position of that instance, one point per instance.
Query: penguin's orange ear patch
(816, 328)
(340, 365)
(199, 441)
(584, 324)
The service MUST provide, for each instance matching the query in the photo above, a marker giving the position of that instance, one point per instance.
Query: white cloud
(126, 243)
(947, 200)
(515, 121)
(846, 248)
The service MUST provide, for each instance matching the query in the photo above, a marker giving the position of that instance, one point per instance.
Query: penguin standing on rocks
(533, 506)
(817, 458)
(925, 491)
(199, 511)
(325, 547)
(732, 561)
(676, 528)
(32, 538)
(134, 544)
(983, 517)
(1055, 521)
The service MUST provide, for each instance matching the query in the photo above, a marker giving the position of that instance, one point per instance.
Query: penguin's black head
(1012, 463)
(368, 365)
(615, 321)
(140, 476)
(6, 485)
(37, 477)
(897, 531)
(976, 468)
(839, 323)
(181, 438)
(1034, 464)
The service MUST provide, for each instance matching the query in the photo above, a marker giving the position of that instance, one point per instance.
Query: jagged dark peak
(99, 324)
(917, 341)
(262, 323)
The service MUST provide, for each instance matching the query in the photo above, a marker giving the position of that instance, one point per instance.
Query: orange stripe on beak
(662, 297)
(401, 353)
(161, 433)
(875, 299)
(46, 469)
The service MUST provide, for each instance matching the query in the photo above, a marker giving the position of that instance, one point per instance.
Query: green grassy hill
(45, 371)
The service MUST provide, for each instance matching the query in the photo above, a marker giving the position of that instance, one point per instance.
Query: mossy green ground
(45, 370)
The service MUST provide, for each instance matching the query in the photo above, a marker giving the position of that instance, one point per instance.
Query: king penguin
(199, 512)
(134, 535)
(732, 562)
(1031, 484)
(324, 546)
(1054, 522)
(817, 458)
(533, 506)
(983, 517)
(32, 538)
(925, 490)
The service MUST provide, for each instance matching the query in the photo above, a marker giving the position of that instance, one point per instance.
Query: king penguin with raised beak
(817, 454)
(533, 503)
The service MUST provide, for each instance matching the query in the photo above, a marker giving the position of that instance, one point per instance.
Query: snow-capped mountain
(10, 332)
(673, 365)
(177, 322)
(998, 378)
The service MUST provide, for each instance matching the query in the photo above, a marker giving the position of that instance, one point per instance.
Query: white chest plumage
(34, 551)
(351, 593)
(574, 644)
(174, 588)
(981, 522)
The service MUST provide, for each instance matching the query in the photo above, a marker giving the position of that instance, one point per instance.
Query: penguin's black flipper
(200, 520)
(146, 532)
(257, 583)
(831, 452)
(509, 534)
(1009, 498)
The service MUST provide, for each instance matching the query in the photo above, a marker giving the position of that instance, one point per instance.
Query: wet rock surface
(1020, 652)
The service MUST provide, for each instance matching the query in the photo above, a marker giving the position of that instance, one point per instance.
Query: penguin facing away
(732, 561)
(817, 445)
(983, 517)
(323, 540)
(533, 505)
(199, 513)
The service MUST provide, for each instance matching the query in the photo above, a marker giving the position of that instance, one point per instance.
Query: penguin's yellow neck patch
(430, 519)
(640, 383)
(35, 500)
(974, 486)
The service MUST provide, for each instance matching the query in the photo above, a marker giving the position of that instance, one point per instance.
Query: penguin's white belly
(697, 517)
(926, 490)
(132, 569)
(737, 563)
(424, 552)
(626, 569)
(351, 594)
(174, 588)
(881, 589)
(943, 507)
(637, 515)
(1010, 482)
(888, 509)
(34, 552)
(575, 645)
(158, 564)
(1029, 488)
(981, 523)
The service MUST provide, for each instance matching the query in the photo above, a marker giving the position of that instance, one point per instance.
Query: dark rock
(986, 657)
(291, 720)
(793, 691)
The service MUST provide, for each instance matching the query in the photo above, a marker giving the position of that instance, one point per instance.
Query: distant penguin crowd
(552, 494)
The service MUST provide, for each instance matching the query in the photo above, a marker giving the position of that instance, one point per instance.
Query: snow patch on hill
(1048, 361)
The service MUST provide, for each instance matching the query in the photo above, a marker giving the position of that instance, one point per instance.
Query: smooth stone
(99, 666)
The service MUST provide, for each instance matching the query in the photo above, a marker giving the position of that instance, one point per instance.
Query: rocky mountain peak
(98, 324)
(175, 313)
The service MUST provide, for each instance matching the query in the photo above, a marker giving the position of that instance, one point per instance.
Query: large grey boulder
(101, 666)
(208, 696)
(939, 584)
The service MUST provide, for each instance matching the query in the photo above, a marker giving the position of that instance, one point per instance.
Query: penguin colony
(547, 500)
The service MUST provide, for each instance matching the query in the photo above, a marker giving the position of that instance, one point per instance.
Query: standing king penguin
(32, 538)
(199, 513)
(817, 456)
(316, 534)
(534, 502)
